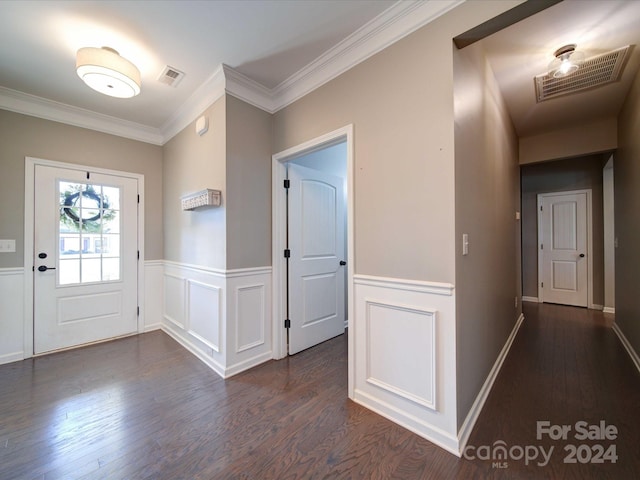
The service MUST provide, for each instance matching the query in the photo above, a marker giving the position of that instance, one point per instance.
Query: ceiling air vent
(594, 72)
(171, 76)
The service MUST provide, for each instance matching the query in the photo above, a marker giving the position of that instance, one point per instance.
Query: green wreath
(92, 224)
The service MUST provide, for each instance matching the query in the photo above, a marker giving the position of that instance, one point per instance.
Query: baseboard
(476, 408)
(208, 361)
(152, 327)
(247, 364)
(609, 310)
(411, 423)
(11, 357)
(530, 299)
(627, 345)
(598, 307)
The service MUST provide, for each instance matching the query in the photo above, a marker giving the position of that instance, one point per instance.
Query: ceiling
(272, 43)
(522, 51)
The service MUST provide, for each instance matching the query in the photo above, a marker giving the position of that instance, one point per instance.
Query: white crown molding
(211, 90)
(395, 23)
(34, 106)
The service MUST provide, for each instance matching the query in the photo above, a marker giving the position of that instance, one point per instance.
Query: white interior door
(85, 257)
(316, 265)
(563, 249)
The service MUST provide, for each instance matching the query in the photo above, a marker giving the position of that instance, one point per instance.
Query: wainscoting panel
(222, 317)
(11, 314)
(153, 295)
(399, 339)
(248, 318)
(405, 344)
(204, 313)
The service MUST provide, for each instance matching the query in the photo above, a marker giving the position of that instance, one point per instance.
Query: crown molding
(35, 106)
(202, 98)
(395, 23)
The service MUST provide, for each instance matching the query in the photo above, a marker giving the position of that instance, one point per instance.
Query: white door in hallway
(85, 257)
(316, 217)
(563, 251)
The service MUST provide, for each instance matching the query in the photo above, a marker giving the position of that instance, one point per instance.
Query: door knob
(343, 263)
(42, 255)
(582, 255)
(44, 268)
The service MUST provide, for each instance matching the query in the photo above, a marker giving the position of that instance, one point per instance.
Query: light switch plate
(7, 246)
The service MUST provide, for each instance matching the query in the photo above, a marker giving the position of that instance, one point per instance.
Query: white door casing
(564, 242)
(90, 291)
(316, 242)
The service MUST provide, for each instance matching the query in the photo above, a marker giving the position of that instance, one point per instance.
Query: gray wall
(24, 136)
(193, 163)
(400, 103)
(627, 217)
(248, 185)
(486, 200)
(562, 175)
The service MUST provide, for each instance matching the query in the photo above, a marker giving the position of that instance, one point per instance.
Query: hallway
(143, 407)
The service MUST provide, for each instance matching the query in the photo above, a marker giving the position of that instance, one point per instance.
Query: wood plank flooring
(144, 408)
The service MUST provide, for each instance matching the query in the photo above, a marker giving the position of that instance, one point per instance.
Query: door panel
(316, 241)
(563, 220)
(85, 257)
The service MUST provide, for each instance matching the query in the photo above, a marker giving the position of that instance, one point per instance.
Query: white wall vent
(171, 76)
(594, 72)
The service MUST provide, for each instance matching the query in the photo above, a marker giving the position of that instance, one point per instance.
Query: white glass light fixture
(567, 61)
(104, 70)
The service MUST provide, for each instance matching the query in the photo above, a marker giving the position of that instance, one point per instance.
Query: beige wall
(627, 217)
(22, 136)
(574, 141)
(486, 199)
(248, 201)
(400, 102)
(562, 175)
(193, 163)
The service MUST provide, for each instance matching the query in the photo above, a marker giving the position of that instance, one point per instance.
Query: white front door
(316, 266)
(85, 257)
(563, 248)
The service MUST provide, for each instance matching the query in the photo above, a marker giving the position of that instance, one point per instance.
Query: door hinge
(287, 253)
(287, 323)
(138, 312)
(138, 254)
(88, 175)
(541, 284)
(287, 183)
(542, 246)
(540, 207)
(138, 198)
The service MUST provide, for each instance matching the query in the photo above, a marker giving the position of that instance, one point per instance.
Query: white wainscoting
(153, 295)
(11, 314)
(222, 317)
(405, 344)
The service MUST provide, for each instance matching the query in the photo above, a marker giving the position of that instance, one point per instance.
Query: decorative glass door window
(89, 233)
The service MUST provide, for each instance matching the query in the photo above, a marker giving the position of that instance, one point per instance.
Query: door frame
(279, 235)
(540, 196)
(29, 215)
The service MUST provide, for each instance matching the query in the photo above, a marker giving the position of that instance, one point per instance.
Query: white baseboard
(476, 408)
(609, 310)
(411, 423)
(598, 307)
(152, 327)
(530, 299)
(11, 357)
(208, 361)
(627, 345)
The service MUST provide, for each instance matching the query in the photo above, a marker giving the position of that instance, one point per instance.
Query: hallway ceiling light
(567, 61)
(104, 70)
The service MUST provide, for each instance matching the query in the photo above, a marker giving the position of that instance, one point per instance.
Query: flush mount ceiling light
(567, 61)
(104, 70)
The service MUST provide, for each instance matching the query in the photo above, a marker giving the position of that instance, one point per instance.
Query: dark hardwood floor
(144, 408)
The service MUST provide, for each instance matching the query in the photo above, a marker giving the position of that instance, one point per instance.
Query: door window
(89, 233)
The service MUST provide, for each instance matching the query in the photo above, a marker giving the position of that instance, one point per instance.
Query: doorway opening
(297, 161)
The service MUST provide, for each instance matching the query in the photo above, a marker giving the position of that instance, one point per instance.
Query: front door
(85, 257)
(316, 217)
(563, 248)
